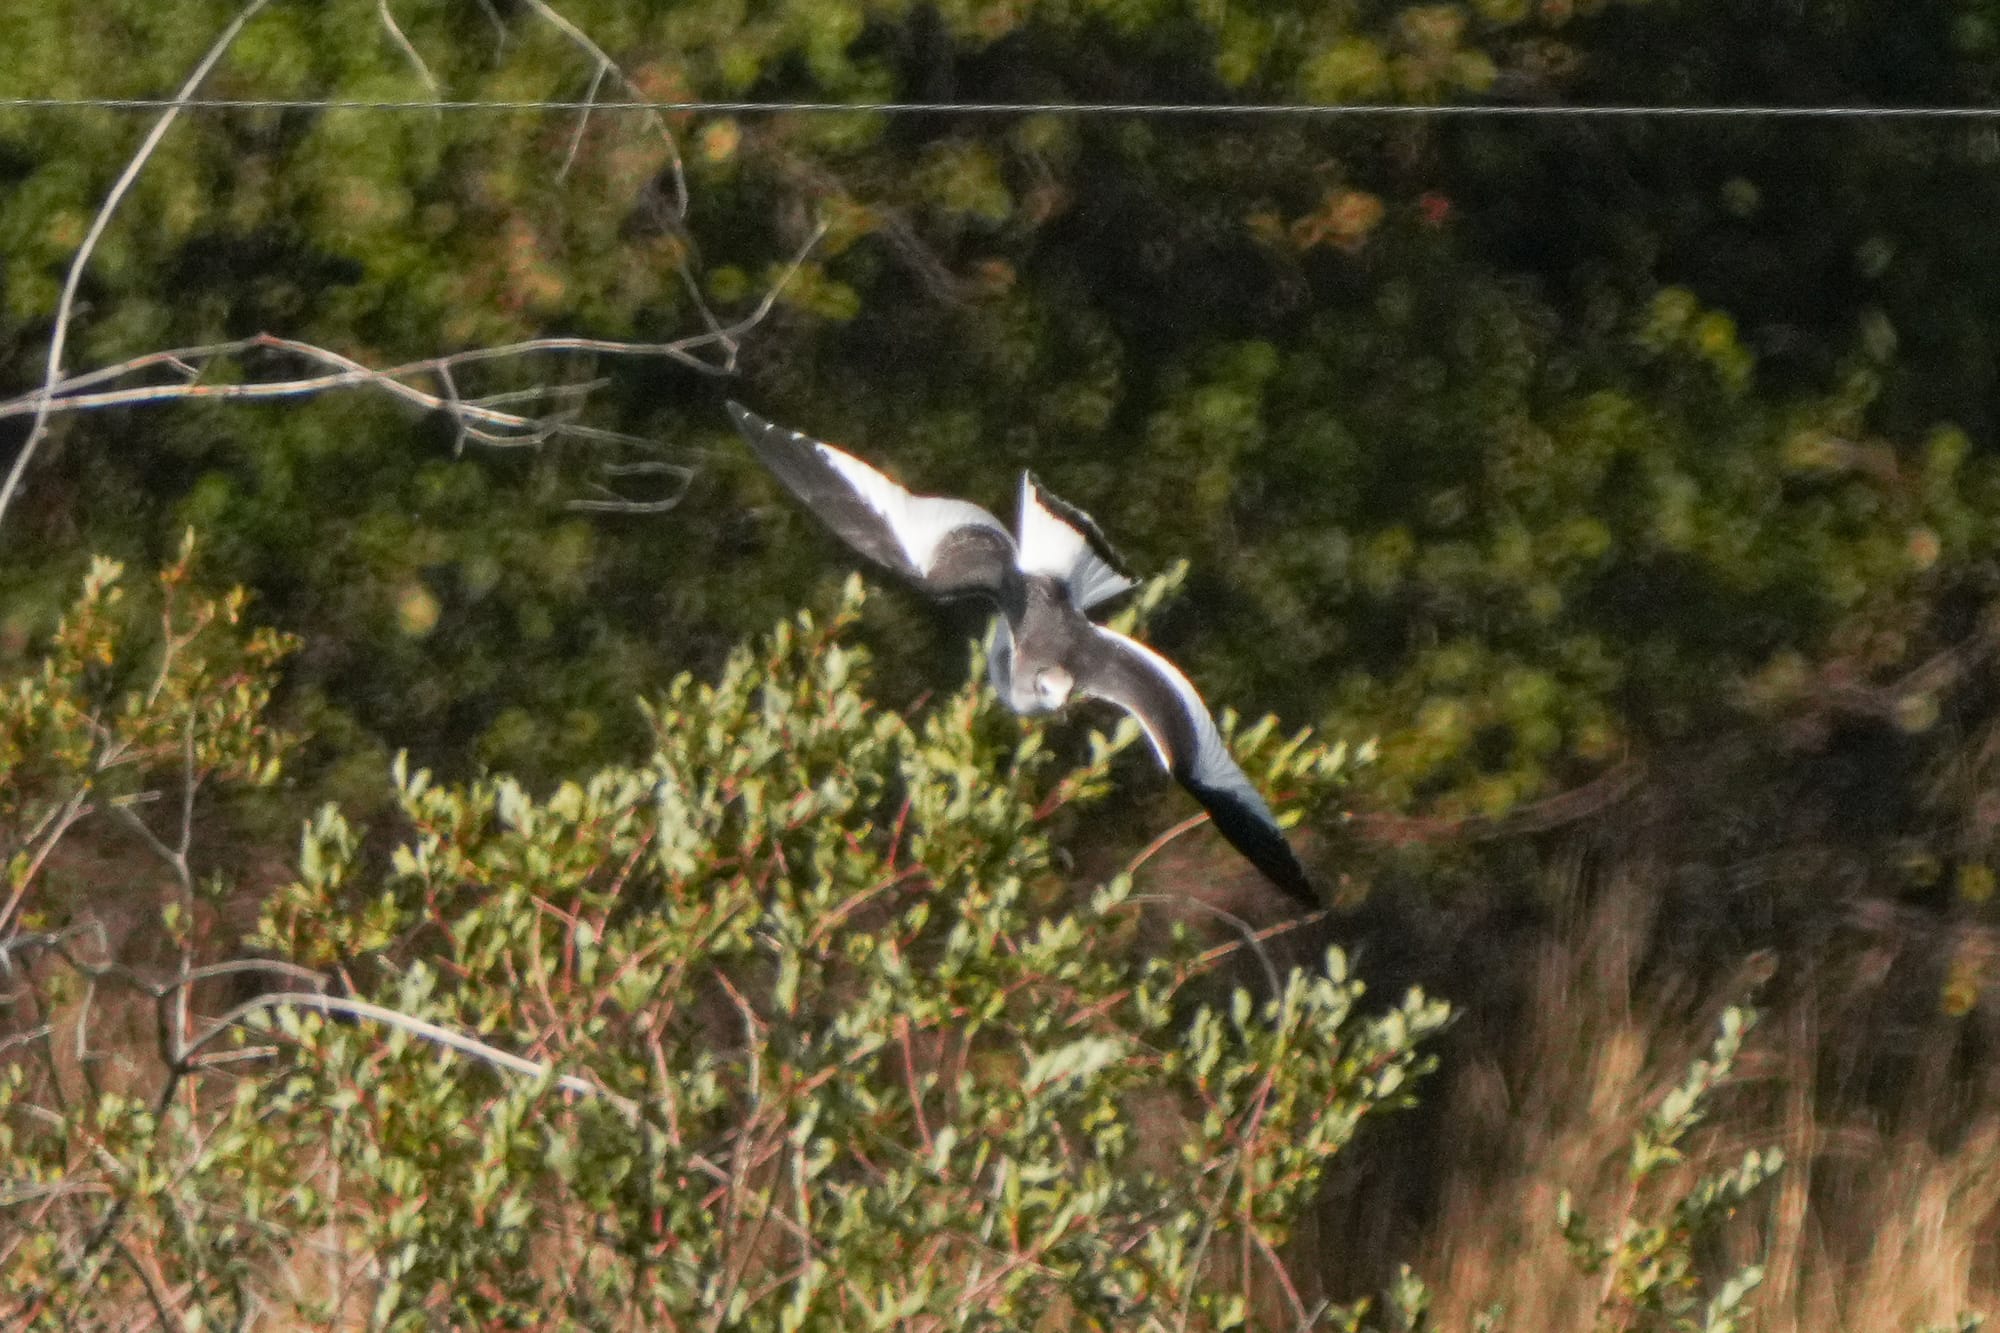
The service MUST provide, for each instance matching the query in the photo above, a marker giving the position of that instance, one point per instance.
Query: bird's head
(1052, 688)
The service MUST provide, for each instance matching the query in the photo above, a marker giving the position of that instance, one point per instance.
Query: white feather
(918, 522)
(1213, 765)
(1051, 547)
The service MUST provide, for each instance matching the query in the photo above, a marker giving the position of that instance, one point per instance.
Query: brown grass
(1884, 1218)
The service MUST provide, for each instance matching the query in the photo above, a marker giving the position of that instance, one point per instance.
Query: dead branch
(481, 419)
(62, 816)
(66, 305)
(409, 51)
(499, 25)
(1253, 939)
(614, 503)
(181, 1055)
(515, 419)
(582, 124)
(607, 66)
(432, 1032)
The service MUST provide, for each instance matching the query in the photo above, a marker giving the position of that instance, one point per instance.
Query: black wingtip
(1291, 878)
(746, 420)
(1263, 844)
(1302, 889)
(1093, 535)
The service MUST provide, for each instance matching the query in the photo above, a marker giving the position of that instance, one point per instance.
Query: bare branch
(614, 503)
(177, 863)
(65, 307)
(409, 51)
(417, 1027)
(1283, 1275)
(190, 783)
(27, 1038)
(478, 418)
(499, 25)
(1238, 924)
(242, 1054)
(349, 373)
(18, 1195)
(66, 815)
(165, 1307)
(582, 124)
(606, 65)
(239, 966)
(520, 418)
(1153, 848)
(452, 405)
(176, 857)
(1210, 957)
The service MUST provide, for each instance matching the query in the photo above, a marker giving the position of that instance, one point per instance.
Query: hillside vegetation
(1604, 511)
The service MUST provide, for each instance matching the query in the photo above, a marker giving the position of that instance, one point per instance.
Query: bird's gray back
(1049, 630)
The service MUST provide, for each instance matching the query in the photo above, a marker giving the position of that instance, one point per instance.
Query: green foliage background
(1583, 464)
(1559, 455)
(1546, 444)
(829, 1052)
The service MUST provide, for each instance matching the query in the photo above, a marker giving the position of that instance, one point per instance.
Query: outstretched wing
(1125, 672)
(946, 547)
(1059, 540)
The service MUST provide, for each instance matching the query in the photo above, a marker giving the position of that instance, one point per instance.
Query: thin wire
(1248, 109)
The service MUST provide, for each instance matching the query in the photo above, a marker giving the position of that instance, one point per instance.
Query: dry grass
(1884, 1218)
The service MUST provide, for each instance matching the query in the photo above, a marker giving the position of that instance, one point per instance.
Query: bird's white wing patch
(1211, 765)
(918, 522)
(1051, 545)
(1167, 706)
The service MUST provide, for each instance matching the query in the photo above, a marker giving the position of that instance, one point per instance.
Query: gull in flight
(1045, 650)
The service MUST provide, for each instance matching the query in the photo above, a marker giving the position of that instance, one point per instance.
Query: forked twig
(714, 350)
(606, 65)
(478, 419)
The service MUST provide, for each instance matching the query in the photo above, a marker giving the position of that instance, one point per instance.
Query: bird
(1041, 580)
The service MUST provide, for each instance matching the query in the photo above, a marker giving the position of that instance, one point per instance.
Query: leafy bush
(1651, 1274)
(790, 1025)
(1656, 1266)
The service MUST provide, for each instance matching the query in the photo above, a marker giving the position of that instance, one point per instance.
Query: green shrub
(1647, 1262)
(790, 1025)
